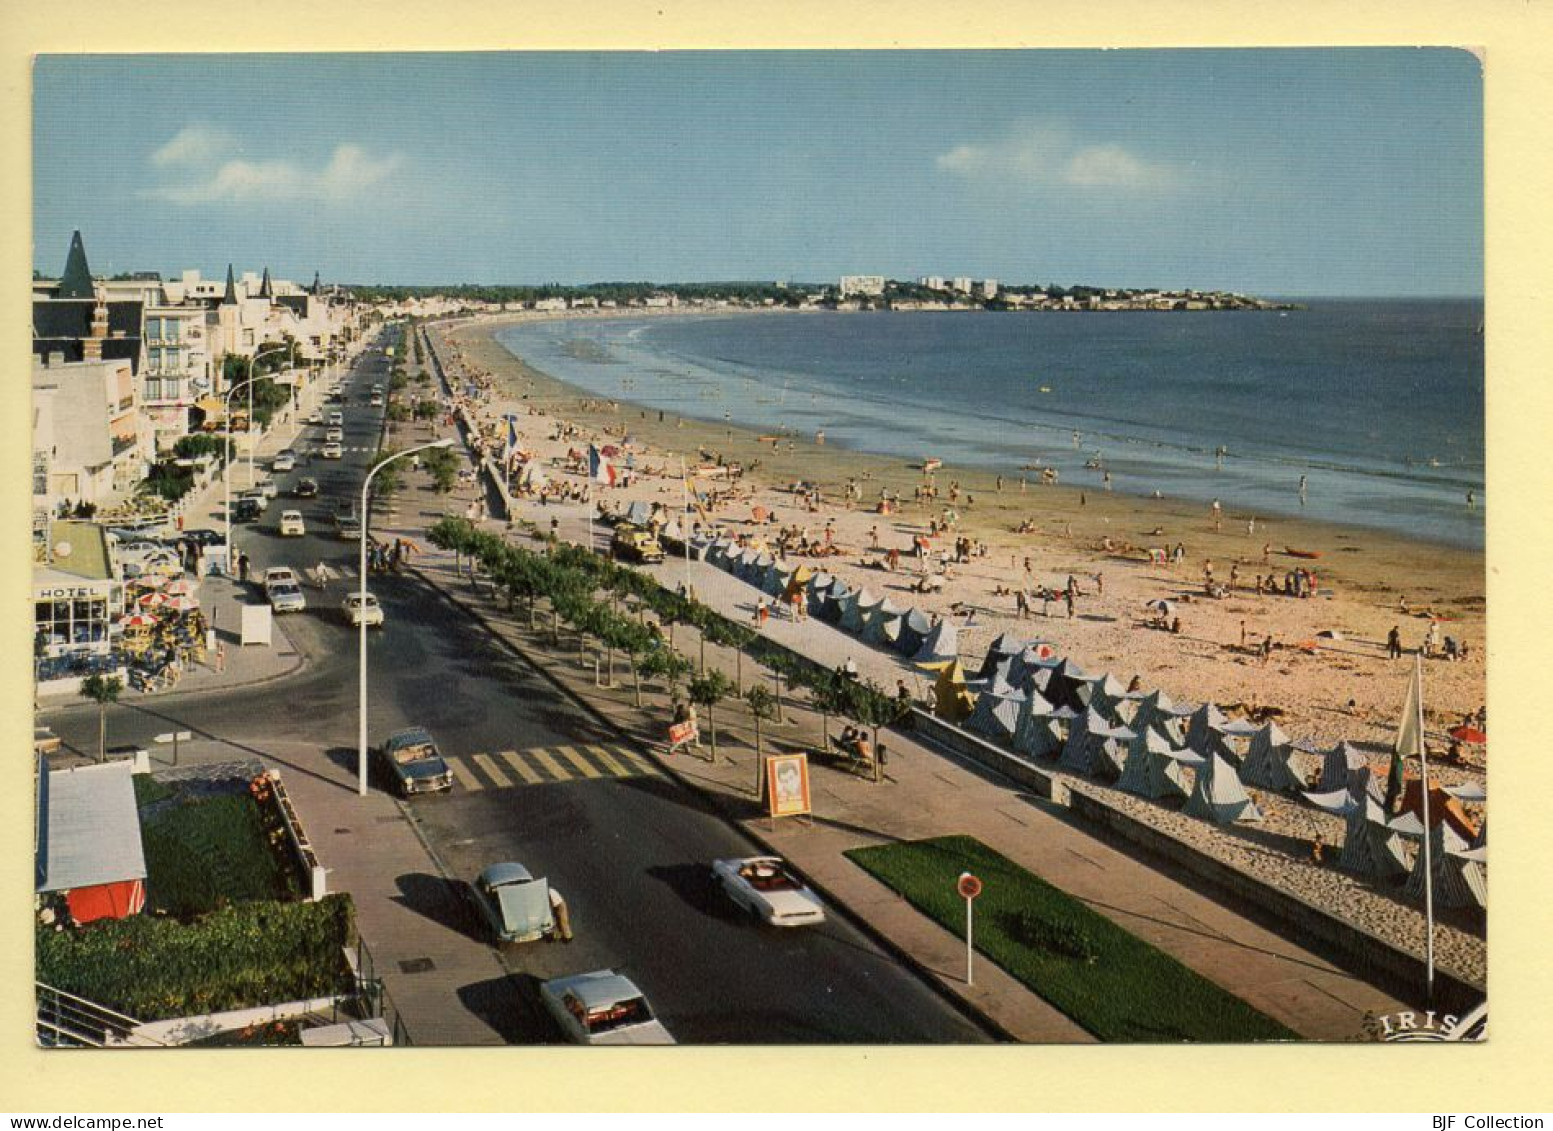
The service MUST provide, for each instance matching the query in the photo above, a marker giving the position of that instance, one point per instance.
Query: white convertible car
(768, 890)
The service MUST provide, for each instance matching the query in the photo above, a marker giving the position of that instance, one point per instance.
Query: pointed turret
(77, 279)
(265, 290)
(317, 286)
(230, 298)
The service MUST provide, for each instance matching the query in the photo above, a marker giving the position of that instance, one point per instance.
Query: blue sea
(1378, 404)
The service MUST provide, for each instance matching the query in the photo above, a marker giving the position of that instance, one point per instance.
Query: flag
(600, 470)
(1409, 741)
(512, 438)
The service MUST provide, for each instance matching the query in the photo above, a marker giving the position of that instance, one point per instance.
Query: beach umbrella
(760, 514)
(1161, 606)
(1468, 734)
(179, 587)
(137, 620)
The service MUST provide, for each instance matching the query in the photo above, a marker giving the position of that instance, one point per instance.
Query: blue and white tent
(1218, 796)
(1153, 768)
(996, 716)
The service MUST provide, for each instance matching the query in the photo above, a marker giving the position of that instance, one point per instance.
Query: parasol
(1470, 734)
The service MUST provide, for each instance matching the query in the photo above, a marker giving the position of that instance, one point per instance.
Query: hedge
(251, 954)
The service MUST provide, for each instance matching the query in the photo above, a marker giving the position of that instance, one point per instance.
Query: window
(153, 388)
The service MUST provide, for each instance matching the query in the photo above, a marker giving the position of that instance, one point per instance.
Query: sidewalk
(929, 792)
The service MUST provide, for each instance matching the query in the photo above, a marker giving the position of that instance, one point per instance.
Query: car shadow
(696, 886)
(442, 901)
(511, 1007)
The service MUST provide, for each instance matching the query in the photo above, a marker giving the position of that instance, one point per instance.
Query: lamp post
(361, 732)
(226, 471)
(291, 348)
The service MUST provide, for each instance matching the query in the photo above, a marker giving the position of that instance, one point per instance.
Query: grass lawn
(204, 852)
(1108, 980)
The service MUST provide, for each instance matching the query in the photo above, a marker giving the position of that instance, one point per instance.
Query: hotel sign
(66, 592)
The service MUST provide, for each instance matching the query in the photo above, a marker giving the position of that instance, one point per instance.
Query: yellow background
(1509, 1074)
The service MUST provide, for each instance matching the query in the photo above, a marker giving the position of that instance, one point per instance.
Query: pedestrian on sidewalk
(220, 657)
(242, 567)
(762, 614)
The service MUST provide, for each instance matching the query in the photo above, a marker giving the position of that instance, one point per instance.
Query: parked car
(247, 510)
(518, 907)
(358, 609)
(602, 1008)
(766, 889)
(306, 489)
(285, 460)
(634, 544)
(286, 597)
(291, 524)
(414, 763)
(314, 417)
(203, 537)
(256, 496)
(332, 451)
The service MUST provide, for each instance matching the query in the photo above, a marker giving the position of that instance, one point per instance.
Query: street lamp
(361, 733)
(289, 347)
(226, 470)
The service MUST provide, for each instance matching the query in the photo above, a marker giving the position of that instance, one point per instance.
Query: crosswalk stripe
(584, 767)
(604, 757)
(465, 776)
(492, 771)
(636, 761)
(519, 765)
(548, 763)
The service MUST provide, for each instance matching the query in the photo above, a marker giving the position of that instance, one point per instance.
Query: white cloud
(194, 145)
(1035, 152)
(349, 174)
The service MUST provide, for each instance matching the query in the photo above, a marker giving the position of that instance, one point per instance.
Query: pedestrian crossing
(548, 765)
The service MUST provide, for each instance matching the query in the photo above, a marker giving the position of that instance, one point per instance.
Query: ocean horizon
(1377, 404)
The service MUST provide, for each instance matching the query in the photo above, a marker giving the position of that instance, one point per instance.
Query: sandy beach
(1328, 672)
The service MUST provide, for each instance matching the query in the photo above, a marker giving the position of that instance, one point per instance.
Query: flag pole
(684, 517)
(1423, 762)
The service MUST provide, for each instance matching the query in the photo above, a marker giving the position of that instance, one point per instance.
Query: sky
(1353, 172)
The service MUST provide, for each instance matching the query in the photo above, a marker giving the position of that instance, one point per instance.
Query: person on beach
(1070, 603)
(1431, 639)
(1267, 649)
(762, 614)
(1021, 604)
(1218, 515)
(1242, 636)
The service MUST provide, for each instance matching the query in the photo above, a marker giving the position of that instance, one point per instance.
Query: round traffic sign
(969, 885)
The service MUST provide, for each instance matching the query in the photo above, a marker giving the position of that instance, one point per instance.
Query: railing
(67, 1021)
(374, 997)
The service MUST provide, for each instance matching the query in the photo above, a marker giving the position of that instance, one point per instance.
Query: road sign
(970, 887)
(175, 737)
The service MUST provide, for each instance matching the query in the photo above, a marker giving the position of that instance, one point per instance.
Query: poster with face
(787, 779)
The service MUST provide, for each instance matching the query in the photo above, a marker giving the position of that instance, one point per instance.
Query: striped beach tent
(854, 615)
(774, 581)
(1108, 697)
(996, 716)
(1371, 847)
(1459, 878)
(1038, 733)
(1156, 711)
(940, 647)
(1002, 649)
(819, 589)
(1094, 747)
(1344, 767)
(882, 624)
(951, 698)
(1218, 796)
(1153, 769)
(1270, 762)
(915, 626)
(1067, 685)
(1205, 734)
(1036, 656)
(835, 600)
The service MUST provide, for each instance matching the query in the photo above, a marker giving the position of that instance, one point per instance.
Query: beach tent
(1442, 807)
(1038, 733)
(1036, 656)
(1459, 879)
(854, 616)
(1153, 769)
(716, 553)
(1094, 747)
(996, 716)
(1005, 647)
(798, 582)
(1338, 802)
(639, 513)
(819, 589)
(915, 627)
(1270, 762)
(1108, 695)
(755, 570)
(998, 681)
(1344, 767)
(1371, 847)
(1218, 795)
(774, 580)
(940, 647)
(951, 699)
(1067, 685)
(1205, 734)
(1156, 711)
(835, 600)
(882, 624)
